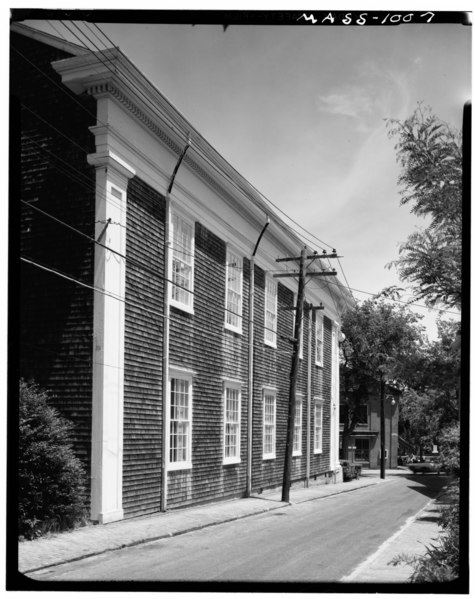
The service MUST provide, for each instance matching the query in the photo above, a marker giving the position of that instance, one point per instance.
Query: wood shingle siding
(56, 315)
(200, 343)
(68, 330)
(145, 280)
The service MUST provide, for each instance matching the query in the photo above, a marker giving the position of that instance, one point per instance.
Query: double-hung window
(182, 262)
(319, 340)
(233, 291)
(270, 336)
(269, 423)
(297, 449)
(232, 423)
(318, 426)
(180, 421)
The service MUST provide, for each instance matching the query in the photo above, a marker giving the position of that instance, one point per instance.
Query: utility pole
(293, 379)
(302, 276)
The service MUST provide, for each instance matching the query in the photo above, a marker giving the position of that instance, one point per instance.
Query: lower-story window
(318, 426)
(297, 449)
(180, 421)
(268, 425)
(232, 422)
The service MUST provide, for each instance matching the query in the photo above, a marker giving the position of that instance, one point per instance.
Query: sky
(300, 113)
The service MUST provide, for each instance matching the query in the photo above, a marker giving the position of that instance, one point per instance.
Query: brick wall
(56, 315)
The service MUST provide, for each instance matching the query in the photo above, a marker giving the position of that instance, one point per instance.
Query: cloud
(354, 103)
(378, 93)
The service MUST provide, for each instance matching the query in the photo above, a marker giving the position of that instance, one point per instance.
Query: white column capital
(109, 160)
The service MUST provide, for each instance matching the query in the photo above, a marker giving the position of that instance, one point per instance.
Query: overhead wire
(130, 303)
(79, 177)
(313, 236)
(85, 109)
(239, 189)
(202, 155)
(194, 146)
(92, 187)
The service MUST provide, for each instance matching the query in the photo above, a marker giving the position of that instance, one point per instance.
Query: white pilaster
(335, 400)
(112, 175)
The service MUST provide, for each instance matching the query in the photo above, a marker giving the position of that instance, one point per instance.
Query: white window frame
(187, 377)
(269, 395)
(319, 337)
(232, 423)
(318, 425)
(179, 297)
(270, 316)
(234, 270)
(297, 447)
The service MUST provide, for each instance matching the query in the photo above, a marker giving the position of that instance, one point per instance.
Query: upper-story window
(319, 340)
(182, 262)
(362, 414)
(233, 291)
(270, 324)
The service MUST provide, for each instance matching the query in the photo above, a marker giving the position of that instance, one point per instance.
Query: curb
(159, 537)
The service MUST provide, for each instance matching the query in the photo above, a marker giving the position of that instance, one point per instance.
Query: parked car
(427, 464)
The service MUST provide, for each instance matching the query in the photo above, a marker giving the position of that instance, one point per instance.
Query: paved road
(318, 541)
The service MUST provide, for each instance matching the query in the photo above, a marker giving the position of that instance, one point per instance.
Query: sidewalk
(410, 540)
(94, 540)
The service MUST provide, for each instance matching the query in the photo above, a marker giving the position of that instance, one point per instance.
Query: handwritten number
(432, 15)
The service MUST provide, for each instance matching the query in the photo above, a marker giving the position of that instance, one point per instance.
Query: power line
(153, 313)
(173, 127)
(162, 116)
(66, 92)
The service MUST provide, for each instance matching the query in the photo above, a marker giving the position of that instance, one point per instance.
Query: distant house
(148, 302)
(365, 440)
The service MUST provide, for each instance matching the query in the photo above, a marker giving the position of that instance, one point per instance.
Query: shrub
(449, 445)
(51, 489)
(350, 470)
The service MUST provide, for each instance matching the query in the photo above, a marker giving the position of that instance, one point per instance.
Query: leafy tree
(380, 341)
(430, 154)
(431, 401)
(50, 476)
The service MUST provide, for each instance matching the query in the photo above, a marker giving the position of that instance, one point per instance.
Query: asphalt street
(320, 541)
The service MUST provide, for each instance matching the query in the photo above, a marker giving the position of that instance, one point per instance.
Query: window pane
(233, 290)
(232, 423)
(182, 260)
(269, 424)
(298, 426)
(179, 420)
(318, 427)
(271, 311)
